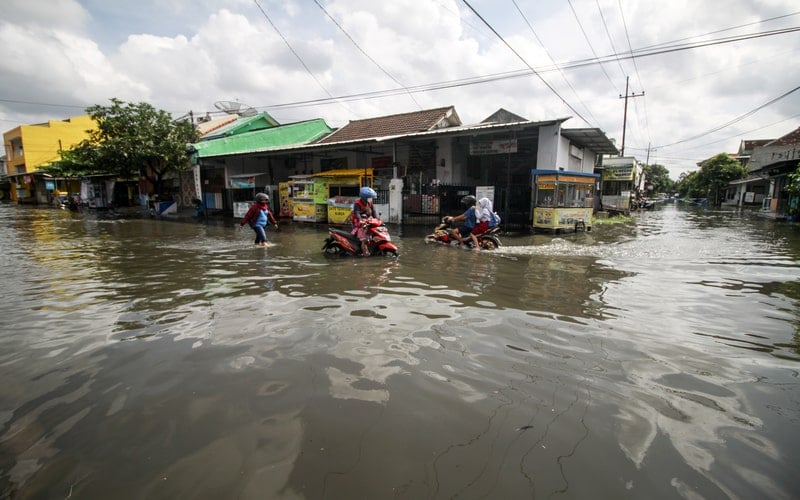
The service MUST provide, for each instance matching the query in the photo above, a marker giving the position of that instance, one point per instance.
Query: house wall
(765, 156)
(41, 143)
(548, 151)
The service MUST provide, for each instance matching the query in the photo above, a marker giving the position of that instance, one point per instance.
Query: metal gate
(428, 204)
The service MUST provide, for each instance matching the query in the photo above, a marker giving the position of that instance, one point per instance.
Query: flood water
(147, 358)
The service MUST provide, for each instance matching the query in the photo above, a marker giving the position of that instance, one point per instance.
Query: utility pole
(625, 116)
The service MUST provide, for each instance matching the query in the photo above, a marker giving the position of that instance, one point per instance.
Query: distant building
(31, 147)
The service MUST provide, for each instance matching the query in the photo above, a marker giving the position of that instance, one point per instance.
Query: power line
(493, 77)
(762, 21)
(308, 70)
(636, 69)
(481, 79)
(586, 37)
(526, 63)
(608, 34)
(373, 61)
(735, 120)
(553, 60)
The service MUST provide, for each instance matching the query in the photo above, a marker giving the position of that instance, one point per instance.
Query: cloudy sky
(349, 59)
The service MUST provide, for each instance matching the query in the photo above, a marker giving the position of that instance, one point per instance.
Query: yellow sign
(561, 218)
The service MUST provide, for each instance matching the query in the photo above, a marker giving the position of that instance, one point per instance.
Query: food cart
(563, 200)
(309, 199)
(285, 199)
(342, 191)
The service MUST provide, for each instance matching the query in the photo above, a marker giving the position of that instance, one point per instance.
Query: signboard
(243, 182)
(240, 208)
(492, 147)
(485, 192)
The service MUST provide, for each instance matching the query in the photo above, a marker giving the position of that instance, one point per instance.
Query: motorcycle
(341, 242)
(441, 234)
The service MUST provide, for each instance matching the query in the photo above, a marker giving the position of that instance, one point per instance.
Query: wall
(549, 143)
(41, 143)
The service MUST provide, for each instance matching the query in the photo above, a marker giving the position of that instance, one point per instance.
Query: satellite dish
(235, 108)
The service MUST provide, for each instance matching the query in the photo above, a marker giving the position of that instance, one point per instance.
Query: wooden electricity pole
(625, 115)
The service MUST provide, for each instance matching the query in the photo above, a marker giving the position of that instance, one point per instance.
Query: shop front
(563, 201)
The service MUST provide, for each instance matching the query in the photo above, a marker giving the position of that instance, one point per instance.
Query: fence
(434, 202)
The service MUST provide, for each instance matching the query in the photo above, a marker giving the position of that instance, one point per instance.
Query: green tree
(688, 186)
(131, 139)
(716, 173)
(793, 186)
(657, 176)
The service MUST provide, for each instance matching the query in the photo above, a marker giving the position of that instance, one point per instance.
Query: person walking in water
(259, 217)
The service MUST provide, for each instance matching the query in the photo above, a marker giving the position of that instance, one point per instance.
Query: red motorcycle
(441, 234)
(341, 242)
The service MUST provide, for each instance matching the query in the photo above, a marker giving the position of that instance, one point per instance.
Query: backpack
(495, 220)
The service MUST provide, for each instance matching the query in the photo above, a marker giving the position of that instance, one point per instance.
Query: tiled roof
(747, 146)
(401, 124)
(787, 140)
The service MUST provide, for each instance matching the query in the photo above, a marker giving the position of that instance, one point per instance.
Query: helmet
(367, 192)
(262, 197)
(468, 201)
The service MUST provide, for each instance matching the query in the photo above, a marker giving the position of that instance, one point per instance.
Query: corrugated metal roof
(243, 124)
(283, 136)
(591, 138)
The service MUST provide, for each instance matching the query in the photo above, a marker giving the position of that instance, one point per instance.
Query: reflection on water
(164, 359)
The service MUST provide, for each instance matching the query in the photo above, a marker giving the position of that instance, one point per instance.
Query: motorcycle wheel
(333, 249)
(489, 244)
(430, 239)
(387, 253)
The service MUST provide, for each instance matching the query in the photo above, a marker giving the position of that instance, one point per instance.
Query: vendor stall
(563, 200)
(342, 191)
(309, 199)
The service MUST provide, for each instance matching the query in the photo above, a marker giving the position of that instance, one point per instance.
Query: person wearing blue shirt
(469, 218)
(259, 217)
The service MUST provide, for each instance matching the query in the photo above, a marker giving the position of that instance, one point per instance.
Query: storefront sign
(492, 147)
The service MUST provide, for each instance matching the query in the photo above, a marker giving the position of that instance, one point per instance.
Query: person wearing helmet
(470, 220)
(259, 217)
(363, 208)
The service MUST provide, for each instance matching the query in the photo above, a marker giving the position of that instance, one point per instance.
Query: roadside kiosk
(342, 190)
(309, 199)
(563, 201)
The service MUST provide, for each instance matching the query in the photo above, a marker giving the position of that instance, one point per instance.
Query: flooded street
(150, 359)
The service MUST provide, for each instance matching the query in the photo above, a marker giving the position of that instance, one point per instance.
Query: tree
(658, 177)
(132, 140)
(716, 173)
(688, 186)
(793, 186)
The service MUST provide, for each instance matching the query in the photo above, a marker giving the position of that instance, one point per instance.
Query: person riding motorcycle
(470, 221)
(363, 208)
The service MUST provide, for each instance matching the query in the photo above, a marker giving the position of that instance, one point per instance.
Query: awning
(590, 138)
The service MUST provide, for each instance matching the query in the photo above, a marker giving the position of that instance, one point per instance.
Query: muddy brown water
(146, 358)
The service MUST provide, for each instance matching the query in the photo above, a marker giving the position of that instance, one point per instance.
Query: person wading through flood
(259, 217)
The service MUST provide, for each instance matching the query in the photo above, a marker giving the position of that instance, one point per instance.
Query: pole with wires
(625, 114)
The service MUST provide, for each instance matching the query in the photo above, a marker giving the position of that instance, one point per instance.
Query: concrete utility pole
(625, 116)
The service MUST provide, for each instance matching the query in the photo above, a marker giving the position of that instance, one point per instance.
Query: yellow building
(31, 147)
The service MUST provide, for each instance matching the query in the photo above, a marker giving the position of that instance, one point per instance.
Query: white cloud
(183, 55)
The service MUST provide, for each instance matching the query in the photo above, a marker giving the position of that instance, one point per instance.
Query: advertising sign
(477, 147)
